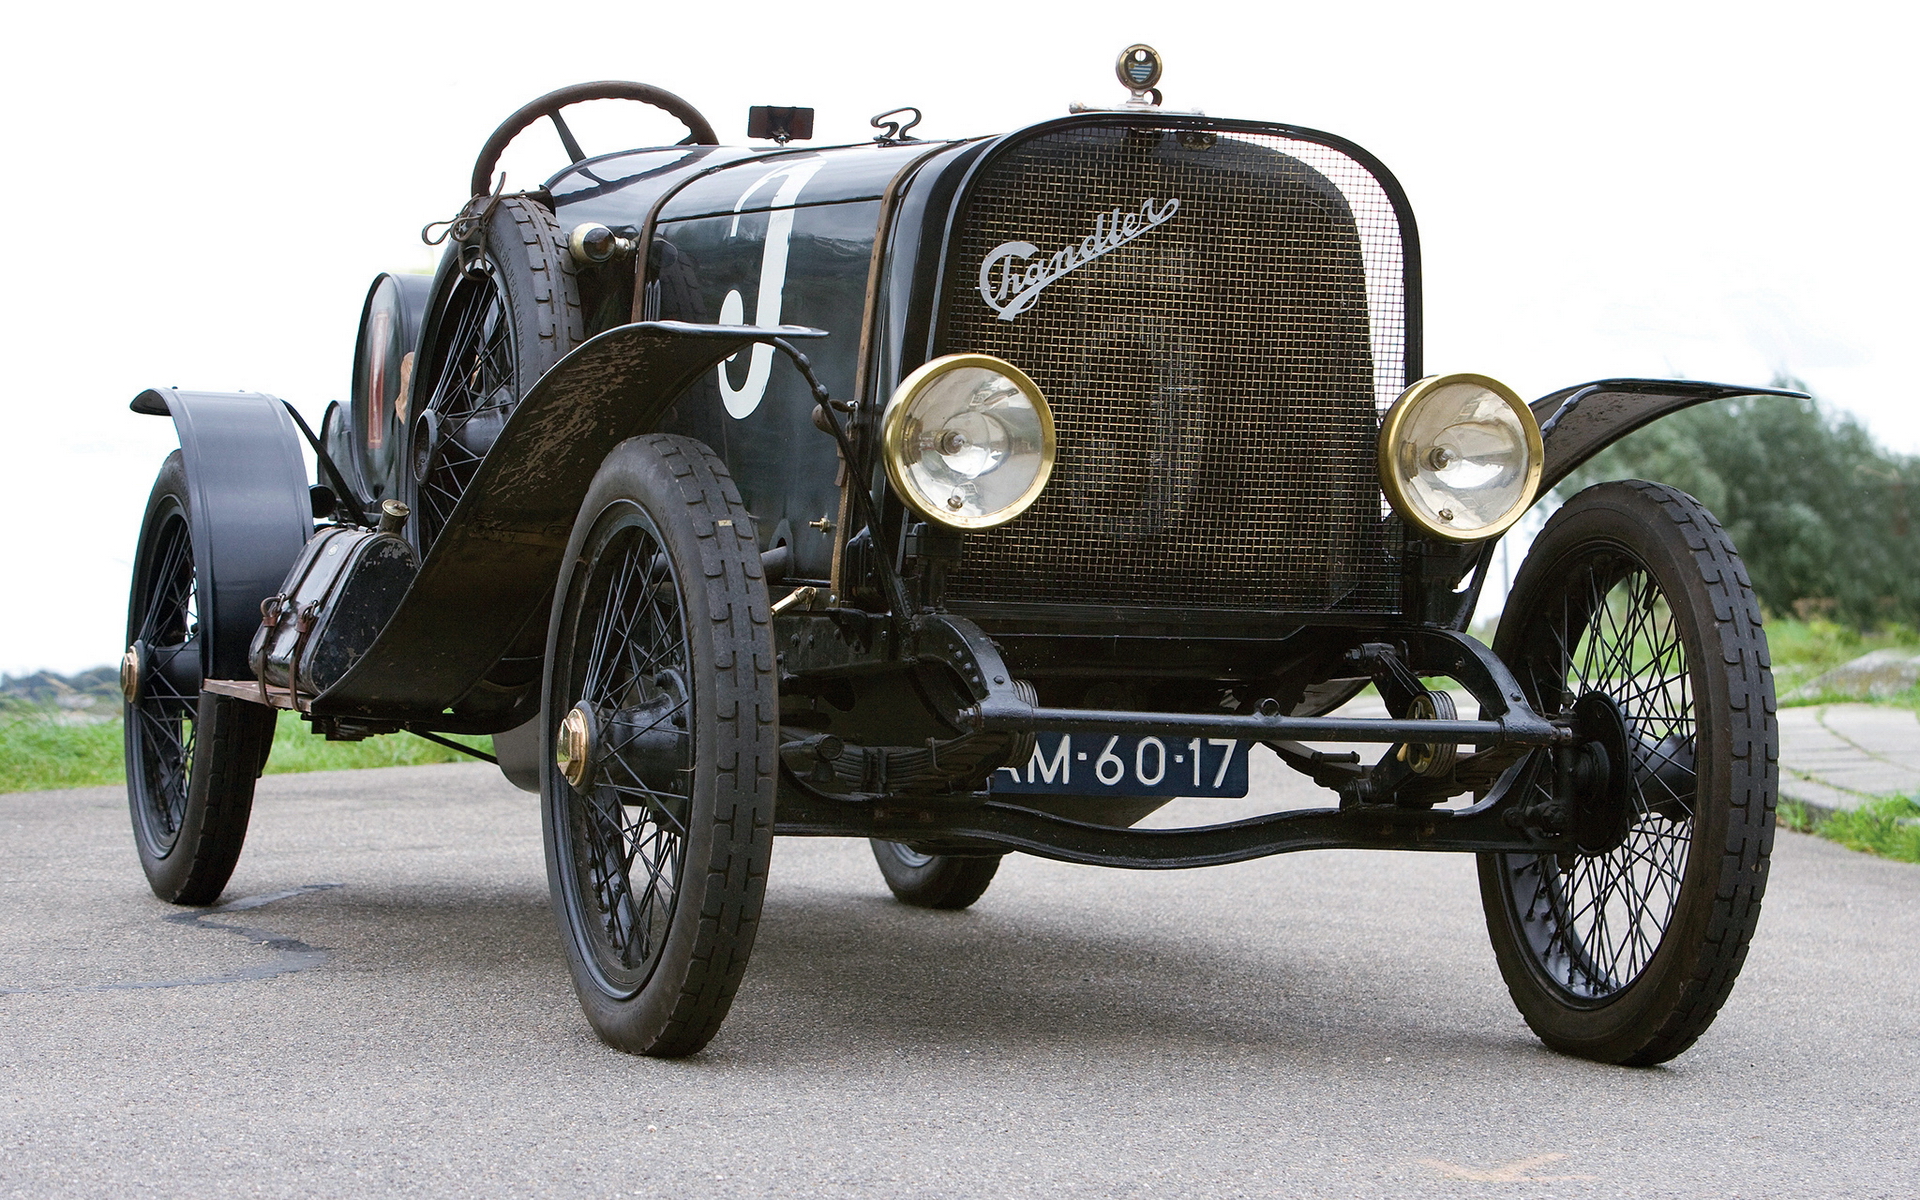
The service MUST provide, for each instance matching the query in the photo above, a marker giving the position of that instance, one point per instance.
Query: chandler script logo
(1013, 275)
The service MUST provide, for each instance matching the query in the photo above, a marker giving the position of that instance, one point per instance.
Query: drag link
(1512, 730)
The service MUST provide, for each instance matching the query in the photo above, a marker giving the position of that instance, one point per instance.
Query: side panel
(805, 265)
(904, 312)
(618, 190)
(836, 175)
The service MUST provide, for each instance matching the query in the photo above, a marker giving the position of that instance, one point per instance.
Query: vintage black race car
(969, 496)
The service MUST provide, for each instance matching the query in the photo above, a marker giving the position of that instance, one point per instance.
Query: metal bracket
(895, 131)
(962, 645)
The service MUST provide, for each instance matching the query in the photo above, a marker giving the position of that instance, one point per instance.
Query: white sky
(202, 192)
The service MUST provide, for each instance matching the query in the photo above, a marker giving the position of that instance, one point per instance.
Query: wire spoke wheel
(660, 719)
(475, 390)
(1632, 604)
(191, 757)
(933, 880)
(1594, 921)
(626, 842)
(164, 624)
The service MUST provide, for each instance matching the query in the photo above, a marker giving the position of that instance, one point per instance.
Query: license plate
(1081, 764)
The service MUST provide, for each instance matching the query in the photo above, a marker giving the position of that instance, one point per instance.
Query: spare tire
(508, 309)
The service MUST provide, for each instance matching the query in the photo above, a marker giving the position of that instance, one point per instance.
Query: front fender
(1578, 422)
(493, 565)
(251, 511)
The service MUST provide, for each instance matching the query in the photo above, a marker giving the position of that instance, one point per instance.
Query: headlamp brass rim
(893, 434)
(1390, 434)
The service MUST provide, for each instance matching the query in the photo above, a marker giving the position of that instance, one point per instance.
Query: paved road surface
(1325, 1024)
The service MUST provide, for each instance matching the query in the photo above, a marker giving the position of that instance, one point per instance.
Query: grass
(1907, 699)
(296, 748)
(1803, 650)
(39, 753)
(1888, 827)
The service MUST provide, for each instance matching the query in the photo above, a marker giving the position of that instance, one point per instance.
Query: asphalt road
(1323, 1024)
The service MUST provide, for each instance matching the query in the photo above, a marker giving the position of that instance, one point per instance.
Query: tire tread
(1670, 516)
(744, 749)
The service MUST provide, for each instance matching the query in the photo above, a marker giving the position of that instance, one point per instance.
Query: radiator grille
(1216, 379)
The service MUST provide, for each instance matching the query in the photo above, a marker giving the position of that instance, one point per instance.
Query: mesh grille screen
(1216, 379)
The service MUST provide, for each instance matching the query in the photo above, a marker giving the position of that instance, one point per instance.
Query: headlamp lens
(1460, 456)
(970, 441)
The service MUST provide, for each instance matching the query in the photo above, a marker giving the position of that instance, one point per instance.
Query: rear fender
(1578, 422)
(251, 511)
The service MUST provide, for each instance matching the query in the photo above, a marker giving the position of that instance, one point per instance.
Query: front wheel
(1633, 613)
(660, 725)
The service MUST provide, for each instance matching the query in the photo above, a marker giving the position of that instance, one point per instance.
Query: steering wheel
(699, 133)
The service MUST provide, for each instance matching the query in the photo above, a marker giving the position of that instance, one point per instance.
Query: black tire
(933, 880)
(1624, 950)
(661, 629)
(511, 310)
(191, 758)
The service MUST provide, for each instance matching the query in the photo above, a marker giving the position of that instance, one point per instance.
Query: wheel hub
(1600, 775)
(574, 748)
(1664, 771)
(426, 439)
(651, 744)
(132, 670)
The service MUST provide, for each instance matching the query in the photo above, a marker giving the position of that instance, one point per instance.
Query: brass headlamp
(968, 440)
(1460, 456)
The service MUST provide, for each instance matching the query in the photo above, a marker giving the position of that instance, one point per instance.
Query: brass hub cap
(130, 674)
(574, 747)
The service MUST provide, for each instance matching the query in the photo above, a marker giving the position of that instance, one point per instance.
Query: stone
(1874, 676)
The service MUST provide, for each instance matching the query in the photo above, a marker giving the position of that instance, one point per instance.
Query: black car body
(1220, 319)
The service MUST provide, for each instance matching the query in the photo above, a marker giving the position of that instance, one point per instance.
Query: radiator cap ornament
(1139, 70)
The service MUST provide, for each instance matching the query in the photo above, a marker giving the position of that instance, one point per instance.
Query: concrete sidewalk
(1839, 756)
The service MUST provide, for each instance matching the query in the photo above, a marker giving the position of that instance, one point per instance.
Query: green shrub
(1825, 518)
